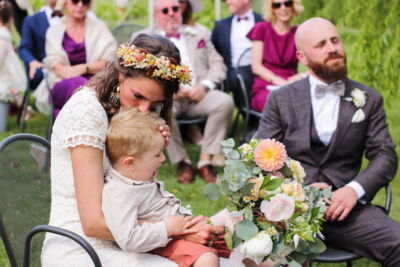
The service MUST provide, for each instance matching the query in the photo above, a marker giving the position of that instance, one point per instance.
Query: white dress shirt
(239, 40)
(325, 115)
(52, 20)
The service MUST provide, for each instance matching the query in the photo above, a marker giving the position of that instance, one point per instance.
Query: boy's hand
(177, 225)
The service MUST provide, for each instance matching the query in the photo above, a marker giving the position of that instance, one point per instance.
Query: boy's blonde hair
(131, 133)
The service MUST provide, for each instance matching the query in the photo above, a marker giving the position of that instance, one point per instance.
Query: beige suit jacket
(206, 62)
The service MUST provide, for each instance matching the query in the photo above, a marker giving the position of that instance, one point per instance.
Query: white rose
(258, 247)
(279, 208)
(359, 98)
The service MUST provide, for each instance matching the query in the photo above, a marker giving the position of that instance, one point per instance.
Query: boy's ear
(129, 162)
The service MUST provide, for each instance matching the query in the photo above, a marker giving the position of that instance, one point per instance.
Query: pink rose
(279, 208)
(201, 43)
(226, 219)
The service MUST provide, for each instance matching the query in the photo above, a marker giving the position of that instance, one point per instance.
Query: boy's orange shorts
(185, 253)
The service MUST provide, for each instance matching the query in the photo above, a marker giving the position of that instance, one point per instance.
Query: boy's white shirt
(126, 201)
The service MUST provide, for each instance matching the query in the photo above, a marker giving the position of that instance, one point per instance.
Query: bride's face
(141, 92)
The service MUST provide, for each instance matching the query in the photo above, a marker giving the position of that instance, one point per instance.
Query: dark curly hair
(5, 11)
(107, 80)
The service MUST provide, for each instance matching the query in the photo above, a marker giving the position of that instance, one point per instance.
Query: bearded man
(328, 122)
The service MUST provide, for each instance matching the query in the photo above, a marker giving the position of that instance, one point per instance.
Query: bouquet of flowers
(270, 213)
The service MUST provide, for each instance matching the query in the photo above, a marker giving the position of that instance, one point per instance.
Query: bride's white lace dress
(81, 121)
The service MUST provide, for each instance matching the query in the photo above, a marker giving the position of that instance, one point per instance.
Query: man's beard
(332, 73)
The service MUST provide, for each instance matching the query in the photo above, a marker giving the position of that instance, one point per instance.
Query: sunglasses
(174, 9)
(286, 3)
(84, 2)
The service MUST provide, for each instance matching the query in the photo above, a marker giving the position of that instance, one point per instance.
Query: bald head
(313, 30)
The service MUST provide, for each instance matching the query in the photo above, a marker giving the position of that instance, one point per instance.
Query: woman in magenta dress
(274, 60)
(76, 48)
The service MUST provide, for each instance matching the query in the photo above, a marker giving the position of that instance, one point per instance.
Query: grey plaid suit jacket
(287, 117)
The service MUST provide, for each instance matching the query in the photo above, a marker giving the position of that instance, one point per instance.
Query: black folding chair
(25, 200)
(335, 255)
(242, 96)
(25, 103)
(123, 32)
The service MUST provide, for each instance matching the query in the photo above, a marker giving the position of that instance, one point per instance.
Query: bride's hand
(205, 232)
(166, 132)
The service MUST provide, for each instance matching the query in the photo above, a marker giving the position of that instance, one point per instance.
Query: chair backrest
(242, 95)
(123, 32)
(24, 193)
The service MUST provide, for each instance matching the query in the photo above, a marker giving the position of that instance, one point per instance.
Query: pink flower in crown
(270, 155)
(279, 208)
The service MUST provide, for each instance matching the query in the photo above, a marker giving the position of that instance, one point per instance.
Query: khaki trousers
(217, 106)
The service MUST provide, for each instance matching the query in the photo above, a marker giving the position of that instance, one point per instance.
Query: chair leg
(349, 264)
(24, 107)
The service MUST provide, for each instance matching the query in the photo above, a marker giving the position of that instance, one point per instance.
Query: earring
(115, 95)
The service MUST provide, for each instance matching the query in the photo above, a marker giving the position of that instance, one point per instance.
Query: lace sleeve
(83, 121)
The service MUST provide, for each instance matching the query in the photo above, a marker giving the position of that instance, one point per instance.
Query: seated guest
(199, 99)
(328, 122)
(12, 75)
(229, 36)
(274, 59)
(33, 38)
(76, 48)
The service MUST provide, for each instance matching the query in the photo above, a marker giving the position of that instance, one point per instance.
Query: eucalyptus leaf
(211, 191)
(233, 154)
(246, 230)
(317, 247)
(294, 264)
(228, 142)
(236, 174)
(278, 247)
(223, 187)
(327, 192)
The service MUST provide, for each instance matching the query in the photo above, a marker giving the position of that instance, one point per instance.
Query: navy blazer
(221, 37)
(33, 37)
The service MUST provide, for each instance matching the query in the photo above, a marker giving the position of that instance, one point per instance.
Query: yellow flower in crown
(132, 56)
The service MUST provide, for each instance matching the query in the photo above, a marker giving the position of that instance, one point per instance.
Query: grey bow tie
(336, 88)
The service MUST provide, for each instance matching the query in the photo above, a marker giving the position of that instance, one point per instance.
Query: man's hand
(343, 201)
(33, 66)
(197, 93)
(205, 232)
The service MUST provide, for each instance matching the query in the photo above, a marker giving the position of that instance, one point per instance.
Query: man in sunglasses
(229, 36)
(201, 99)
(328, 122)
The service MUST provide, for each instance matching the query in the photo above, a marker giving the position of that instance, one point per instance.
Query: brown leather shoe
(185, 173)
(207, 173)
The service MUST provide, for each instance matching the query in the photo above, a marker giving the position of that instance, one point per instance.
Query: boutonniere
(190, 31)
(359, 98)
(201, 43)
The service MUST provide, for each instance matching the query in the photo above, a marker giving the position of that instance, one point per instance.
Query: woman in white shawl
(76, 48)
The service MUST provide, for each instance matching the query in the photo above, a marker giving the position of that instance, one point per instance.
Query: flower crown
(132, 56)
